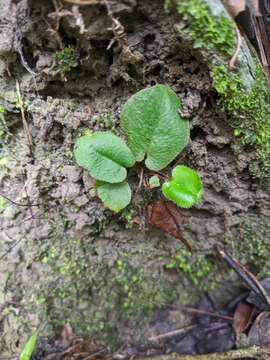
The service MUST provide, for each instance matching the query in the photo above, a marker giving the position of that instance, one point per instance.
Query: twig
(96, 354)
(248, 278)
(16, 203)
(19, 50)
(202, 312)
(140, 181)
(238, 47)
(250, 353)
(183, 240)
(83, 2)
(25, 125)
(173, 333)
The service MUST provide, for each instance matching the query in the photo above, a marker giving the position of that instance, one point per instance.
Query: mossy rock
(244, 93)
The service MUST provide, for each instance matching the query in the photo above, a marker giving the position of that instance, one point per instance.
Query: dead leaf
(259, 333)
(234, 7)
(166, 217)
(242, 317)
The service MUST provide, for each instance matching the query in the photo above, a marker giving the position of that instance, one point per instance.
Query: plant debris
(242, 317)
(166, 217)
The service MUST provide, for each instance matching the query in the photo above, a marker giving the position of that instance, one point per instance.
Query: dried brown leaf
(259, 333)
(166, 217)
(234, 7)
(242, 317)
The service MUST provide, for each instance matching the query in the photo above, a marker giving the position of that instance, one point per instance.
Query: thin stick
(16, 203)
(83, 2)
(249, 279)
(140, 181)
(183, 240)
(202, 312)
(173, 333)
(21, 105)
(238, 47)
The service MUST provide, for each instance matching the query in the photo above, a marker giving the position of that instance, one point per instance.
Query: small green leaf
(185, 188)
(154, 182)
(29, 347)
(151, 122)
(104, 155)
(114, 196)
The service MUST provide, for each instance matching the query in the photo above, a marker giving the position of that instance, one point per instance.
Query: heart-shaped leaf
(114, 196)
(154, 129)
(104, 155)
(184, 188)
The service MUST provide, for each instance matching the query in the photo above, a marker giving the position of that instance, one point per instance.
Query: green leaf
(154, 129)
(104, 155)
(154, 182)
(114, 196)
(29, 347)
(185, 188)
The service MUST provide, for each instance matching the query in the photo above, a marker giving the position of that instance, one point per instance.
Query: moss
(206, 31)
(195, 267)
(252, 247)
(65, 60)
(98, 298)
(249, 113)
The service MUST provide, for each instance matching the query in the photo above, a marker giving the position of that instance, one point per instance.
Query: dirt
(61, 251)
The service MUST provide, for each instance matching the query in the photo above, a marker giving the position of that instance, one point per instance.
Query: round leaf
(154, 182)
(185, 188)
(114, 196)
(151, 122)
(104, 155)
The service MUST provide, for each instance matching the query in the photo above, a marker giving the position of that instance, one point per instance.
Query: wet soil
(62, 253)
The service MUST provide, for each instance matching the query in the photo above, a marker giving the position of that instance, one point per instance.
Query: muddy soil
(64, 258)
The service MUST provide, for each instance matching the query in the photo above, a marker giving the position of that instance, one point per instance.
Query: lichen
(249, 113)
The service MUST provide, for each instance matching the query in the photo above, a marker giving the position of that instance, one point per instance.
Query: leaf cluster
(156, 134)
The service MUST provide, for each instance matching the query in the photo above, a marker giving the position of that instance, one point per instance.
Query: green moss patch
(206, 31)
(252, 246)
(248, 110)
(249, 113)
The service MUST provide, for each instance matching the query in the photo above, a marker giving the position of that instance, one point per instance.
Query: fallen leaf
(166, 217)
(234, 7)
(259, 333)
(242, 317)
